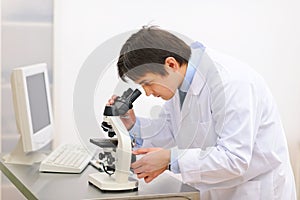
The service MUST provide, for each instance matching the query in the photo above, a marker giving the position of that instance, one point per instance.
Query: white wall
(26, 38)
(25, 11)
(26, 30)
(23, 43)
(264, 34)
(0, 99)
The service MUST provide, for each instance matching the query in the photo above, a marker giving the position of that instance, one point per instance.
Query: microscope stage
(108, 183)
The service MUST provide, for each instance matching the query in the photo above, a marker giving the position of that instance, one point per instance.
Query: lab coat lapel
(197, 85)
(176, 107)
(185, 106)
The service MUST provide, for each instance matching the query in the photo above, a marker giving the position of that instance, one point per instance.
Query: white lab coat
(230, 140)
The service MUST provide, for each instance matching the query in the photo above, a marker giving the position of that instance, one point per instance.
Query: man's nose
(147, 90)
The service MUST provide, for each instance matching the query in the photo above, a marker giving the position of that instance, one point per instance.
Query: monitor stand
(18, 156)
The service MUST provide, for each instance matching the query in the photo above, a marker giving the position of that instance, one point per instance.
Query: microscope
(116, 150)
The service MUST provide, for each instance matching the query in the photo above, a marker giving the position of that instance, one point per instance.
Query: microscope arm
(124, 149)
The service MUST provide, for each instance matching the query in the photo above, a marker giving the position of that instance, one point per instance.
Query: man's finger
(138, 170)
(141, 151)
(111, 101)
(148, 179)
(136, 164)
(142, 175)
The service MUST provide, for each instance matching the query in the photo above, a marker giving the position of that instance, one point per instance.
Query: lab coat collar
(201, 74)
(197, 50)
(203, 71)
(202, 64)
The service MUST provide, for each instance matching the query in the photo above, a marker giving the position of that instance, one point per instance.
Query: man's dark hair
(146, 51)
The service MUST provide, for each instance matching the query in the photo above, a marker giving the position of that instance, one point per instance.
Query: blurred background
(264, 34)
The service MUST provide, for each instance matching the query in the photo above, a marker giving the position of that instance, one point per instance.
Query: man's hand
(129, 118)
(154, 162)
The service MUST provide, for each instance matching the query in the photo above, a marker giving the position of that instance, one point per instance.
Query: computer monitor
(33, 113)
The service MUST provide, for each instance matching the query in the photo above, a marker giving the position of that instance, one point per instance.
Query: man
(219, 127)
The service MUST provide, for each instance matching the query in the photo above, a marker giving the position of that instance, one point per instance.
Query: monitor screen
(33, 113)
(37, 95)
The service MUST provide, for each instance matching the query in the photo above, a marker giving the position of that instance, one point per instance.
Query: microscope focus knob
(111, 134)
(110, 160)
(101, 156)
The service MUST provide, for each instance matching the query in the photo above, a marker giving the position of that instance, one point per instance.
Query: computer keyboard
(67, 158)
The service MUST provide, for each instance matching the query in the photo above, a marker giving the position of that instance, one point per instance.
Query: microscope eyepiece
(126, 93)
(123, 103)
(136, 93)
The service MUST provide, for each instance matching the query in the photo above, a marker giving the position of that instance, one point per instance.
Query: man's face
(161, 86)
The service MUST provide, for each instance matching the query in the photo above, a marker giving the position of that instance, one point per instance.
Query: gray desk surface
(36, 185)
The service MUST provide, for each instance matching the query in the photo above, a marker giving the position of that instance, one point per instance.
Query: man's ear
(172, 63)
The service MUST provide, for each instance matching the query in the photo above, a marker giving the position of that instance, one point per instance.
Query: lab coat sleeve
(135, 134)
(158, 132)
(234, 108)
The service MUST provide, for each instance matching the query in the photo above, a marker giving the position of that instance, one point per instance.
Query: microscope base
(108, 183)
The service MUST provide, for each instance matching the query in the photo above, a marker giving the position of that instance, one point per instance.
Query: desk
(36, 185)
